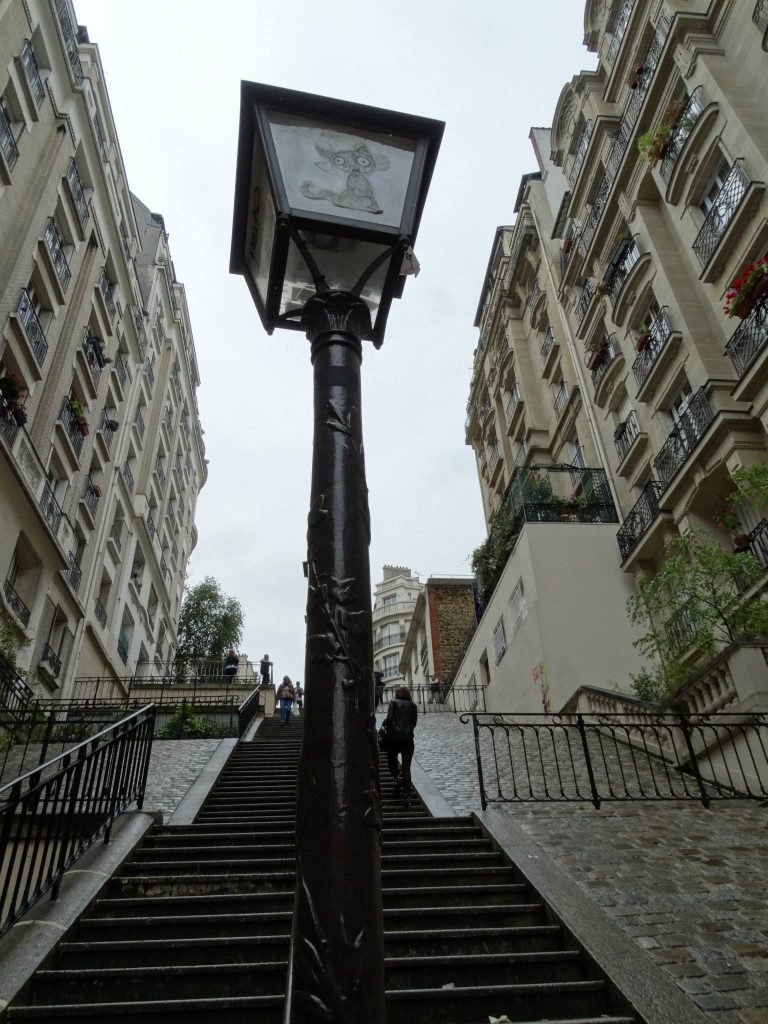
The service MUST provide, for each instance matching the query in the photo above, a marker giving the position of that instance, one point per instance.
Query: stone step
(235, 1010)
(149, 952)
(198, 859)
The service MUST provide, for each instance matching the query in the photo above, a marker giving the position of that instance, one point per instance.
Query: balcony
(106, 430)
(618, 28)
(166, 573)
(600, 360)
(120, 369)
(8, 141)
(33, 329)
(9, 425)
(91, 496)
(55, 247)
(100, 612)
(149, 369)
(639, 518)
(625, 259)
(684, 125)
(547, 344)
(493, 458)
(687, 433)
(522, 453)
(544, 494)
(141, 331)
(580, 152)
(116, 535)
(533, 294)
(160, 471)
(93, 357)
(77, 192)
(681, 628)
(15, 603)
(105, 289)
(32, 74)
(580, 309)
(390, 640)
(128, 478)
(561, 399)
(659, 333)
(393, 608)
(139, 423)
(50, 508)
(760, 15)
(512, 402)
(74, 573)
(749, 339)
(625, 436)
(70, 41)
(123, 643)
(721, 213)
(72, 430)
(51, 659)
(150, 523)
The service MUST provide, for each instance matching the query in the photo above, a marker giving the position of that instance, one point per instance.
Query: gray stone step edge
(652, 993)
(32, 940)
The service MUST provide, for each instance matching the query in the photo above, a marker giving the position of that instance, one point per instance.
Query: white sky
(490, 70)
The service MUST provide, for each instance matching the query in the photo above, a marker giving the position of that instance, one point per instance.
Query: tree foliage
(691, 609)
(210, 622)
(490, 557)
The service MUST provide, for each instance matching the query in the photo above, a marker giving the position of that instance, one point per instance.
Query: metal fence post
(585, 746)
(480, 779)
(694, 761)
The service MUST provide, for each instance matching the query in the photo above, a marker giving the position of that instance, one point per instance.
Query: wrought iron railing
(139, 423)
(91, 496)
(547, 343)
(440, 697)
(721, 213)
(141, 331)
(32, 73)
(9, 426)
(160, 471)
(93, 356)
(128, 477)
(71, 427)
(105, 426)
(105, 287)
(760, 14)
(686, 434)
(757, 542)
(625, 434)
(493, 457)
(50, 508)
(150, 523)
(123, 644)
(15, 695)
(640, 756)
(513, 401)
(658, 335)
(78, 194)
(15, 603)
(74, 573)
(51, 658)
(580, 152)
(70, 41)
(749, 339)
(33, 329)
(53, 814)
(684, 125)
(628, 257)
(609, 351)
(55, 248)
(8, 141)
(618, 28)
(681, 627)
(533, 294)
(101, 612)
(116, 534)
(165, 571)
(580, 309)
(522, 452)
(561, 398)
(149, 369)
(639, 518)
(101, 141)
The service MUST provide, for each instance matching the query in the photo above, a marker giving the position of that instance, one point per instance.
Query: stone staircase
(196, 925)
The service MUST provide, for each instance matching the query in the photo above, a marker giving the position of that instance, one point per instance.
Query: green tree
(210, 623)
(692, 608)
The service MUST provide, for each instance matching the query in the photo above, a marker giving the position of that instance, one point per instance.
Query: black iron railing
(247, 711)
(105, 427)
(149, 369)
(123, 644)
(74, 573)
(687, 433)
(55, 248)
(51, 659)
(15, 695)
(50, 508)
(547, 343)
(760, 14)
(721, 213)
(749, 339)
(70, 40)
(561, 398)
(150, 523)
(684, 125)
(757, 542)
(93, 356)
(128, 477)
(659, 333)
(681, 627)
(580, 309)
(580, 152)
(141, 331)
(105, 287)
(627, 257)
(626, 432)
(618, 26)
(53, 814)
(442, 697)
(120, 368)
(139, 423)
(8, 144)
(101, 612)
(591, 758)
(91, 496)
(70, 424)
(639, 518)
(33, 329)
(609, 351)
(513, 401)
(32, 73)
(78, 193)
(15, 603)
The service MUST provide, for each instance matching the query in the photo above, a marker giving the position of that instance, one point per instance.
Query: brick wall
(451, 613)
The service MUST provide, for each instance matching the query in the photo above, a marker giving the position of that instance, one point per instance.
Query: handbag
(384, 736)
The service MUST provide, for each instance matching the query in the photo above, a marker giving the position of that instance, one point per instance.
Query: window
(391, 663)
(499, 640)
(675, 412)
(713, 189)
(517, 605)
(390, 599)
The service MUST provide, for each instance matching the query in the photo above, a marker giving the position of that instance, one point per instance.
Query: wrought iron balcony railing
(93, 356)
(580, 309)
(91, 495)
(639, 518)
(494, 456)
(116, 533)
(100, 612)
(51, 659)
(608, 351)
(721, 213)
(33, 329)
(128, 477)
(513, 401)
(522, 452)
(123, 644)
(682, 626)
(78, 194)
(74, 434)
(658, 335)
(139, 423)
(533, 294)
(749, 339)
(55, 248)
(561, 398)
(580, 152)
(8, 141)
(105, 287)
(74, 573)
(684, 125)
(141, 331)
(50, 507)
(105, 427)
(626, 259)
(15, 603)
(164, 568)
(70, 41)
(160, 471)
(32, 73)
(149, 369)
(9, 428)
(688, 431)
(626, 432)
(760, 15)
(150, 523)
(547, 342)
(618, 28)
(120, 368)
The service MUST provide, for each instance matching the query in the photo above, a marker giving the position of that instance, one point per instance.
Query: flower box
(746, 291)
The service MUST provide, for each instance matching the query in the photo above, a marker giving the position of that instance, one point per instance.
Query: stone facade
(394, 603)
(443, 617)
(101, 453)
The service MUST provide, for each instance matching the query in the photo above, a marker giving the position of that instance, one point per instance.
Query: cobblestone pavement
(689, 885)
(173, 767)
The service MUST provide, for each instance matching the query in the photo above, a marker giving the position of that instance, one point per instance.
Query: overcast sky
(490, 70)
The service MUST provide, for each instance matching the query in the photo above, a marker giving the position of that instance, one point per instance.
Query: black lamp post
(328, 200)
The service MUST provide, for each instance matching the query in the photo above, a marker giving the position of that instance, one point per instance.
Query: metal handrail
(639, 756)
(439, 697)
(51, 815)
(15, 695)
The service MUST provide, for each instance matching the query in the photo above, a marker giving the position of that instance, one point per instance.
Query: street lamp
(328, 199)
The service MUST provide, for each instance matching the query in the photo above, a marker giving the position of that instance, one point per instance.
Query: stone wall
(452, 614)
(174, 766)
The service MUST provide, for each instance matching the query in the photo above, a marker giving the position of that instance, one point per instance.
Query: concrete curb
(653, 993)
(252, 729)
(195, 796)
(433, 799)
(27, 945)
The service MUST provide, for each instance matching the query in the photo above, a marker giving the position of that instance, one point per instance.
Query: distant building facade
(101, 449)
(443, 618)
(604, 346)
(394, 601)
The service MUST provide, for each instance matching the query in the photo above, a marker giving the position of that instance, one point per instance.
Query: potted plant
(567, 243)
(96, 490)
(82, 425)
(19, 415)
(728, 519)
(603, 288)
(111, 425)
(642, 340)
(77, 409)
(747, 289)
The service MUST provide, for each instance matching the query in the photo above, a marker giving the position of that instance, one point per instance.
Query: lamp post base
(336, 968)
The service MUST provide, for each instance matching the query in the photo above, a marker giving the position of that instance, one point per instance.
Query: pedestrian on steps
(286, 695)
(400, 723)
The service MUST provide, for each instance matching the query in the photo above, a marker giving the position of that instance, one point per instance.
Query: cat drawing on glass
(357, 164)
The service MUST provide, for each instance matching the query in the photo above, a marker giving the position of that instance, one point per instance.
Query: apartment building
(604, 352)
(394, 601)
(101, 450)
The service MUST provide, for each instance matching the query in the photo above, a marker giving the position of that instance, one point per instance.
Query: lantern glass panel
(261, 226)
(341, 261)
(330, 169)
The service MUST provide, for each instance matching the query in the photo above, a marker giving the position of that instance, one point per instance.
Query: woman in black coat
(399, 724)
